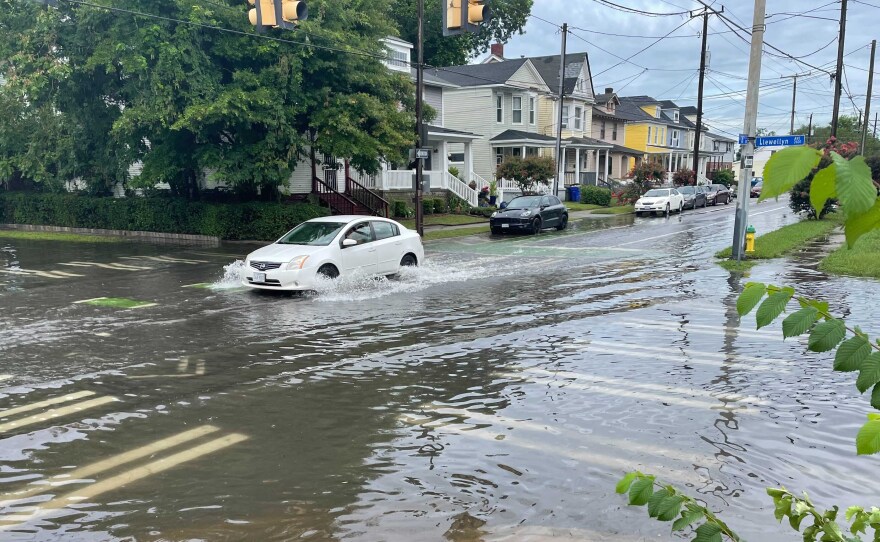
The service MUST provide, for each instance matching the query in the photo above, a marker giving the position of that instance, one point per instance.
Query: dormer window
(657, 113)
(675, 116)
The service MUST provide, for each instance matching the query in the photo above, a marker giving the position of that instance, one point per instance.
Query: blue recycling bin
(574, 193)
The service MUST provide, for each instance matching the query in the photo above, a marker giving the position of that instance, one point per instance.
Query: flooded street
(497, 392)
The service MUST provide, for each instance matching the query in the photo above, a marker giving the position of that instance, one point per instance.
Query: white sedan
(332, 247)
(660, 200)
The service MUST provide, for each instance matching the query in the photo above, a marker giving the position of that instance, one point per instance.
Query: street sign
(423, 154)
(748, 161)
(775, 141)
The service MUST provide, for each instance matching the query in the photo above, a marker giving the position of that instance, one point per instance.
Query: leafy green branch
(666, 503)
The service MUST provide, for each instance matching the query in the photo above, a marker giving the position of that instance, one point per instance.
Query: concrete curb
(150, 236)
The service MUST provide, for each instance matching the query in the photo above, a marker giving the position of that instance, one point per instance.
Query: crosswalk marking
(166, 259)
(55, 413)
(44, 274)
(182, 368)
(628, 347)
(113, 266)
(48, 402)
(688, 326)
(719, 331)
(110, 463)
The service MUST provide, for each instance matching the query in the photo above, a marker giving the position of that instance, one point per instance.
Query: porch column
(444, 156)
(607, 157)
(524, 152)
(597, 167)
(469, 161)
(577, 166)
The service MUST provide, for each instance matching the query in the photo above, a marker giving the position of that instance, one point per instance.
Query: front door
(361, 258)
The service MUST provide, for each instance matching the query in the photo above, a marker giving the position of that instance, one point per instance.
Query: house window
(578, 114)
(613, 132)
(499, 156)
(565, 116)
(517, 109)
(657, 113)
(656, 135)
(675, 116)
(398, 58)
(499, 108)
(531, 110)
(602, 131)
(675, 138)
(649, 135)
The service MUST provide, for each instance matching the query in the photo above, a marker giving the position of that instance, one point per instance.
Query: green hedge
(596, 195)
(261, 221)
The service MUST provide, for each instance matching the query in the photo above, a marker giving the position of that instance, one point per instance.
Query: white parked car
(660, 200)
(331, 247)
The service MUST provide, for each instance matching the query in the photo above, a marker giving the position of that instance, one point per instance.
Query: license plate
(505, 225)
(259, 277)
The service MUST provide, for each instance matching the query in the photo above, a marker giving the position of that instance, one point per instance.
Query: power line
(643, 49)
(627, 9)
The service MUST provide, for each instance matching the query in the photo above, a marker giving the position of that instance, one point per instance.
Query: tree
(684, 176)
(847, 130)
(529, 172)
(723, 176)
(508, 18)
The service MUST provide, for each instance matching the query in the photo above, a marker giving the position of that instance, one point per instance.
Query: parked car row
(668, 200)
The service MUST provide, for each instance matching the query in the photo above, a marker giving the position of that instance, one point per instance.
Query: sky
(797, 27)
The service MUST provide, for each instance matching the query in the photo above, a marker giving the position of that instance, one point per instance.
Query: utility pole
(700, 95)
(420, 90)
(868, 99)
(875, 125)
(838, 75)
(810, 130)
(750, 127)
(560, 161)
(794, 94)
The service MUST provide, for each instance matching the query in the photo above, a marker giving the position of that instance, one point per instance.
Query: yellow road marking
(55, 413)
(40, 404)
(112, 462)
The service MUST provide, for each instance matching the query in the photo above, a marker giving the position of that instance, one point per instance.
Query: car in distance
(332, 247)
(756, 189)
(694, 196)
(530, 214)
(660, 200)
(717, 193)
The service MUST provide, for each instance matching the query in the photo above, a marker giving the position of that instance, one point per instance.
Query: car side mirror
(349, 243)
(543, 207)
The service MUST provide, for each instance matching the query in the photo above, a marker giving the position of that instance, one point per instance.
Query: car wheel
(536, 226)
(562, 225)
(408, 260)
(727, 200)
(681, 208)
(668, 210)
(705, 203)
(328, 271)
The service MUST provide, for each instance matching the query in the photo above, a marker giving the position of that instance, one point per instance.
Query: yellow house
(659, 129)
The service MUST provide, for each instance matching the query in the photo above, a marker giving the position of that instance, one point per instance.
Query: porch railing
(481, 182)
(450, 182)
(336, 200)
(367, 198)
(397, 179)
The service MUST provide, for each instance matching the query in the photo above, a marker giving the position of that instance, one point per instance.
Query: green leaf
(776, 493)
(708, 532)
(654, 502)
(869, 372)
(853, 510)
(855, 189)
(851, 353)
(799, 322)
(670, 507)
(826, 335)
(875, 397)
(625, 482)
(786, 167)
(783, 508)
(641, 491)
(772, 307)
(795, 521)
(868, 439)
(823, 188)
(750, 297)
(856, 226)
(686, 519)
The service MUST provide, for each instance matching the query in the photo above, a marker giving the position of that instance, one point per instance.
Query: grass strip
(862, 260)
(457, 232)
(621, 210)
(56, 236)
(786, 239)
(575, 206)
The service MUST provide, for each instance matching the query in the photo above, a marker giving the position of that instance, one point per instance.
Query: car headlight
(297, 263)
(494, 214)
(526, 213)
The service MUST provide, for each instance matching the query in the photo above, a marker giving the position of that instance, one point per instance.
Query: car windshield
(686, 189)
(524, 202)
(656, 193)
(312, 233)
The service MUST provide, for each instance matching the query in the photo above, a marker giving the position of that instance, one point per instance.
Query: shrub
(596, 195)
(440, 205)
(683, 177)
(723, 176)
(427, 206)
(485, 212)
(399, 209)
(258, 221)
(529, 172)
(799, 200)
(455, 204)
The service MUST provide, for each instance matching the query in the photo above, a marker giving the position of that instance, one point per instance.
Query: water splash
(233, 274)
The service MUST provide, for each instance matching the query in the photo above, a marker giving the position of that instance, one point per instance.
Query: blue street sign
(775, 141)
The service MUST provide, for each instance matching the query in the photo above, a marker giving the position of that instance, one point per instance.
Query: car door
(559, 208)
(389, 247)
(676, 201)
(548, 214)
(362, 257)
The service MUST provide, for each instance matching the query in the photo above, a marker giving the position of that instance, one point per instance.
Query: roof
(689, 110)
(631, 111)
(720, 137)
(475, 75)
(626, 150)
(668, 104)
(432, 77)
(588, 141)
(548, 68)
(641, 100)
(604, 98)
(450, 131)
(519, 135)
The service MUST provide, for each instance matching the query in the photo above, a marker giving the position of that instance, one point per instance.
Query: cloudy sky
(797, 27)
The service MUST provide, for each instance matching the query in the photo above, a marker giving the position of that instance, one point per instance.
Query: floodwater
(495, 393)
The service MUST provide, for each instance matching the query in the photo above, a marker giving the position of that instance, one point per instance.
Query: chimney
(609, 90)
(498, 49)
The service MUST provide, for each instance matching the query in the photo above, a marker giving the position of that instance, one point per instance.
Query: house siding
(434, 98)
(473, 110)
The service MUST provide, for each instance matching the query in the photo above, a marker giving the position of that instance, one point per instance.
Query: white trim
(499, 107)
(533, 110)
(513, 110)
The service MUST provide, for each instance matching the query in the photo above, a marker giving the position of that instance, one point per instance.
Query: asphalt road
(496, 392)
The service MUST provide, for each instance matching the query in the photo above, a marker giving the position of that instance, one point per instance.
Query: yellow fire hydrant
(750, 239)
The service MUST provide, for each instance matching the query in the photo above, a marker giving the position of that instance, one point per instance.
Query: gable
(584, 80)
(527, 77)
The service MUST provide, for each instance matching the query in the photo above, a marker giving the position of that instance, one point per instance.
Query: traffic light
(265, 13)
(460, 16)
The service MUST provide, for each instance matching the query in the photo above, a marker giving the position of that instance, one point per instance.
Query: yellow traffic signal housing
(265, 13)
(452, 17)
(478, 12)
(460, 16)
